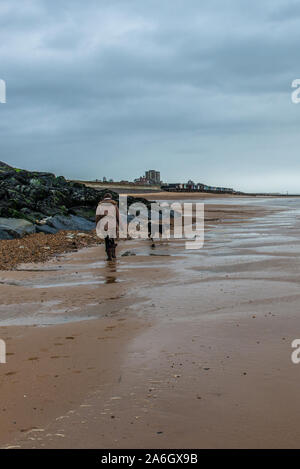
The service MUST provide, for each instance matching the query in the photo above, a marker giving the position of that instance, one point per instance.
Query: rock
(46, 229)
(15, 228)
(84, 212)
(72, 222)
(33, 196)
(4, 166)
(128, 253)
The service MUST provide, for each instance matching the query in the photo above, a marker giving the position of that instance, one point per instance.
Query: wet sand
(187, 195)
(181, 195)
(165, 348)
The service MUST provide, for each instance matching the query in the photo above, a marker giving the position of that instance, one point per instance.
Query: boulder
(46, 229)
(15, 228)
(72, 222)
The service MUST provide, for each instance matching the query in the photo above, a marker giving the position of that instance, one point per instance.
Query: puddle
(71, 283)
(43, 320)
(74, 283)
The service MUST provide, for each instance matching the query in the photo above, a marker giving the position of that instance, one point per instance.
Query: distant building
(172, 187)
(190, 186)
(152, 176)
(141, 180)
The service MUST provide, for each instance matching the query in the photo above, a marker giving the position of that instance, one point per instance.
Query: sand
(185, 195)
(40, 247)
(162, 349)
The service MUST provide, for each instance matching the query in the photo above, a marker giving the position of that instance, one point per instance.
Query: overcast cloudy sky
(197, 89)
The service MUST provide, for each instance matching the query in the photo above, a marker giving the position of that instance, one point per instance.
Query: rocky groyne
(33, 202)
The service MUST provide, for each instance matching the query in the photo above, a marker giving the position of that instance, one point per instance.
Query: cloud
(196, 89)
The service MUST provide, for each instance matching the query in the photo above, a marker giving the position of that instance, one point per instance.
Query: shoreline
(41, 247)
(204, 195)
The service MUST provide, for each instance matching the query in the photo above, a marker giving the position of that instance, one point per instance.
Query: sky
(196, 89)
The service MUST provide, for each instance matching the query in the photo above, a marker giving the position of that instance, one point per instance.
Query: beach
(163, 348)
